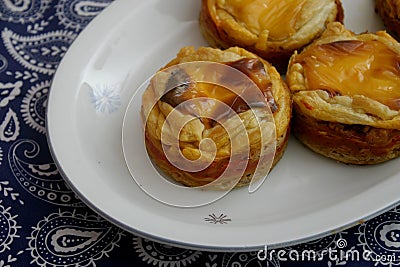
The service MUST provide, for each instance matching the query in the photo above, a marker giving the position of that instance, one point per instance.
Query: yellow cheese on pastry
(346, 91)
(273, 29)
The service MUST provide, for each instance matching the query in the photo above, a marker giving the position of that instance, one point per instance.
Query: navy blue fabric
(43, 223)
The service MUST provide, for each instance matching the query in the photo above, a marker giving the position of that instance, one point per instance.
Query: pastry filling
(182, 87)
(354, 67)
(252, 67)
(279, 17)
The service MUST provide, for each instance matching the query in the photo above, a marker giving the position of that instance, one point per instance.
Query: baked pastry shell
(350, 129)
(389, 11)
(225, 33)
(281, 119)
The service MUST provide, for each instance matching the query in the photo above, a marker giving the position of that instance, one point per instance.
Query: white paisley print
(380, 237)
(23, 11)
(164, 255)
(41, 53)
(71, 239)
(41, 180)
(34, 106)
(8, 228)
(76, 14)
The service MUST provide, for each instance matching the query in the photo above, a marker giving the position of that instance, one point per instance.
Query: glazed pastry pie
(389, 10)
(269, 85)
(272, 29)
(346, 96)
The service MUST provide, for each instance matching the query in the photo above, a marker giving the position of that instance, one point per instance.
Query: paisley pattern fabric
(23, 11)
(44, 223)
(43, 180)
(72, 239)
(76, 14)
(40, 53)
(33, 108)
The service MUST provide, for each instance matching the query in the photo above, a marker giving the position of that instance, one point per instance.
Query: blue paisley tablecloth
(43, 223)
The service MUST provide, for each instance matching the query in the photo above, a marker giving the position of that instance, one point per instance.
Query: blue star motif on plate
(105, 98)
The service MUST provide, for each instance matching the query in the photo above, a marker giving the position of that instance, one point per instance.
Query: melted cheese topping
(207, 108)
(354, 68)
(253, 68)
(279, 17)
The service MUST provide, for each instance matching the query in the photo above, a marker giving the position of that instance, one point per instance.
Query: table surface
(41, 227)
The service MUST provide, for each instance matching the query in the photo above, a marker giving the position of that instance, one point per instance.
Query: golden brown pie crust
(336, 119)
(191, 135)
(389, 11)
(226, 23)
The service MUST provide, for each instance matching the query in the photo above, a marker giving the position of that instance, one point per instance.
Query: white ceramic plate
(305, 197)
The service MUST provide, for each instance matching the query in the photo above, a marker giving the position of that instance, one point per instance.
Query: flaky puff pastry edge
(221, 30)
(349, 129)
(157, 117)
(357, 109)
